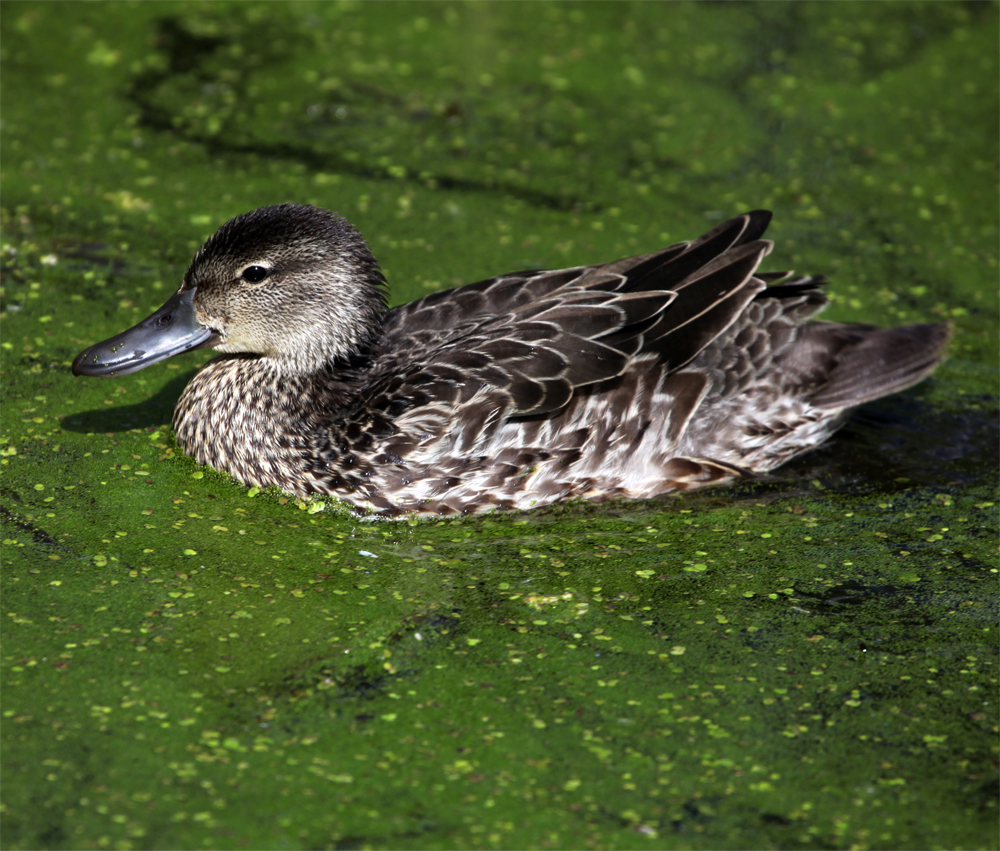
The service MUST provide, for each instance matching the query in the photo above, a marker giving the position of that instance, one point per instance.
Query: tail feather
(883, 361)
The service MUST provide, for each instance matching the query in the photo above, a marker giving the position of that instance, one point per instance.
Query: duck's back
(632, 378)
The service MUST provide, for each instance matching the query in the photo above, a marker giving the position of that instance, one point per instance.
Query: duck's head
(292, 283)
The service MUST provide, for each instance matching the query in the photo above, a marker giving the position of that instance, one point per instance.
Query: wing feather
(535, 337)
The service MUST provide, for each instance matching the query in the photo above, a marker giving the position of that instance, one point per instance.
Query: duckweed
(806, 660)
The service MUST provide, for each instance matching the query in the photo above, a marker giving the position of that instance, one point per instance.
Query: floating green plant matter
(802, 662)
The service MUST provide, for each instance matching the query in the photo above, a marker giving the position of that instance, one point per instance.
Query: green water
(806, 662)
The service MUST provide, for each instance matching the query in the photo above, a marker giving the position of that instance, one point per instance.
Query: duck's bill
(173, 329)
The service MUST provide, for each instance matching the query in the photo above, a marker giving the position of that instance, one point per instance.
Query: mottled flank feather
(663, 372)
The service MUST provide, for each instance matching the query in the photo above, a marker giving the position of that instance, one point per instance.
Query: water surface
(805, 661)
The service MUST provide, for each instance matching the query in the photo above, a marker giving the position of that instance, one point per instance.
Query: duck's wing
(534, 356)
(532, 338)
(443, 311)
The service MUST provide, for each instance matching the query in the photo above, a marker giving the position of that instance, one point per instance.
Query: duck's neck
(322, 350)
(247, 416)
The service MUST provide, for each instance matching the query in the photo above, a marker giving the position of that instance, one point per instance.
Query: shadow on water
(157, 410)
(891, 445)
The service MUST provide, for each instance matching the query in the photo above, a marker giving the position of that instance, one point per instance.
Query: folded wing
(530, 339)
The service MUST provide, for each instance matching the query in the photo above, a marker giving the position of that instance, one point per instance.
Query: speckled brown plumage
(650, 374)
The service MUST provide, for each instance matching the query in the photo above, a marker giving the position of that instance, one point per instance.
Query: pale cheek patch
(215, 321)
(245, 337)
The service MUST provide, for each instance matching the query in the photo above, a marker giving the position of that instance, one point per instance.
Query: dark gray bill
(173, 329)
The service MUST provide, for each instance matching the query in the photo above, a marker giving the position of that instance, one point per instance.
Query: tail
(873, 362)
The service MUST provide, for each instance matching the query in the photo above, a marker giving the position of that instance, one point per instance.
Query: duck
(668, 371)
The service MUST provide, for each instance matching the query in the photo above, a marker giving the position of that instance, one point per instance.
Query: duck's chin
(305, 359)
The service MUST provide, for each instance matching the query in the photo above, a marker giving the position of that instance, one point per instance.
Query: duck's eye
(255, 274)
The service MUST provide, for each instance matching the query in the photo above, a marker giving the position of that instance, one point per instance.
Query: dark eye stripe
(255, 274)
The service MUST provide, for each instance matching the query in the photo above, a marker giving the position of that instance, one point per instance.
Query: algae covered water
(804, 661)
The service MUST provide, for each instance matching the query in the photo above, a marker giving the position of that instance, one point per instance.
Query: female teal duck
(655, 373)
